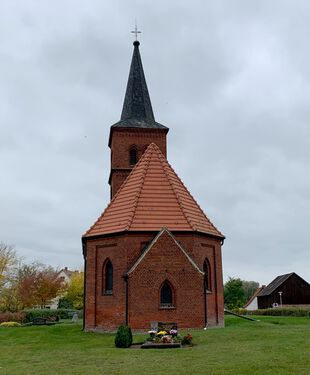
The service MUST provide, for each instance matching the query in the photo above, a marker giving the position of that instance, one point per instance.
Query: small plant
(177, 339)
(10, 324)
(123, 338)
(187, 340)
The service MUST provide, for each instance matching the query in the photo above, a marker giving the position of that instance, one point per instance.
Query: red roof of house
(152, 197)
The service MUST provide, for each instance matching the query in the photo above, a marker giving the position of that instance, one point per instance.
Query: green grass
(274, 345)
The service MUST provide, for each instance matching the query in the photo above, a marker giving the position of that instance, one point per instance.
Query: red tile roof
(152, 197)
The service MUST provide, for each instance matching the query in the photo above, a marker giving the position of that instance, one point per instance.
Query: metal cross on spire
(135, 31)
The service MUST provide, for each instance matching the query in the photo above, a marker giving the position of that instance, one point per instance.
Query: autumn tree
(75, 290)
(38, 285)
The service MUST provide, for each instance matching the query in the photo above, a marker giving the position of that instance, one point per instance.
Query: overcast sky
(231, 79)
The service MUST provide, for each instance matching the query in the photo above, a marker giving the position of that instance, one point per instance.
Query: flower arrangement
(173, 332)
(169, 337)
(161, 333)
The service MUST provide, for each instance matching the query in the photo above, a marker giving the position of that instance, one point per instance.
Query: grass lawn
(274, 345)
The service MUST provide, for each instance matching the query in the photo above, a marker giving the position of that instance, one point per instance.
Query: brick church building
(153, 255)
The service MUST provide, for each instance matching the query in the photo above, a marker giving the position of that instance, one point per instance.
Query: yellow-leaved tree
(75, 291)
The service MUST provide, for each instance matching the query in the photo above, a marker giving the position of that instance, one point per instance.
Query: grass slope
(275, 345)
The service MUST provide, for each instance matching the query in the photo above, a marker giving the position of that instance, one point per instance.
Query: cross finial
(136, 32)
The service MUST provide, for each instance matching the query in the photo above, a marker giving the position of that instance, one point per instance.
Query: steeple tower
(137, 128)
(137, 103)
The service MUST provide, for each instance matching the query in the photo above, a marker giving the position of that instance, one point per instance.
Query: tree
(234, 296)
(8, 267)
(64, 303)
(75, 290)
(249, 288)
(48, 286)
(8, 259)
(38, 285)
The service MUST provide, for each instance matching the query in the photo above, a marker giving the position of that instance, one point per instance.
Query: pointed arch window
(107, 277)
(207, 271)
(166, 295)
(133, 156)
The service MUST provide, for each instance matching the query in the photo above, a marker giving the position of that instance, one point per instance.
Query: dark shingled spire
(137, 103)
(137, 109)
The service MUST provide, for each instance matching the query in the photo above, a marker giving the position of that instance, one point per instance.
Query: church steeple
(137, 108)
(137, 128)
(137, 103)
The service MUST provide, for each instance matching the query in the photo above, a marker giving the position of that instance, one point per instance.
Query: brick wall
(164, 261)
(122, 140)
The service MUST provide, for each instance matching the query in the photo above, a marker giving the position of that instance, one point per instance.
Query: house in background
(252, 302)
(65, 274)
(288, 290)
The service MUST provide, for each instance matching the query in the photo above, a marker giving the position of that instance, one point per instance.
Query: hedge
(45, 313)
(19, 317)
(277, 311)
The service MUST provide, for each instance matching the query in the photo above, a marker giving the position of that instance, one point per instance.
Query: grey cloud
(231, 80)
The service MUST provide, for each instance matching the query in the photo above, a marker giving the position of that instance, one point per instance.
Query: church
(153, 254)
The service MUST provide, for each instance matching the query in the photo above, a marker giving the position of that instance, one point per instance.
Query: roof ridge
(140, 188)
(194, 200)
(151, 244)
(163, 162)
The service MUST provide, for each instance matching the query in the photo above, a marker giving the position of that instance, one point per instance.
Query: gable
(164, 240)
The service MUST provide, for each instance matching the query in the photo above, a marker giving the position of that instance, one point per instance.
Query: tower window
(133, 156)
(107, 277)
(166, 295)
(207, 271)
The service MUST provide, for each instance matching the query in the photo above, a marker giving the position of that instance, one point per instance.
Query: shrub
(64, 303)
(278, 311)
(10, 324)
(187, 340)
(123, 338)
(48, 313)
(8, 316)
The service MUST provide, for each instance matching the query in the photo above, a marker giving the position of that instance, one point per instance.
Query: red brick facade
(122, 141)
(163, 261)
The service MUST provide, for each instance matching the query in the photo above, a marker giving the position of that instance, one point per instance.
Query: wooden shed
(289, 289)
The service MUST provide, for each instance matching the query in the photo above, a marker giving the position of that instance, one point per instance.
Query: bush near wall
(285, 311)
(46, 313)
(8, 316)
(123, 338)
